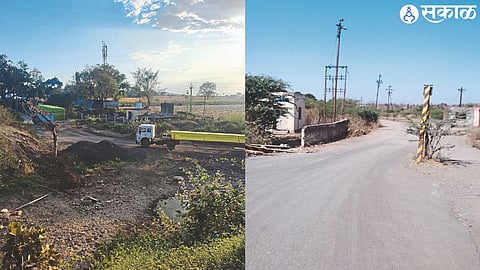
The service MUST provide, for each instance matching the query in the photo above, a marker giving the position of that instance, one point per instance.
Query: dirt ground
(119, 197)
(459, 182)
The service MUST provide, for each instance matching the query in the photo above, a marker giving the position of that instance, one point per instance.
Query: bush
(226, 254)
(26, 249)
(152, 252)
(369, 116)
(9, 116)
(214, 208)
(436, 114)
(164, 127)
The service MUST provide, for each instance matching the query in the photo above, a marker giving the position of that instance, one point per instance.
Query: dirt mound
(91, 153)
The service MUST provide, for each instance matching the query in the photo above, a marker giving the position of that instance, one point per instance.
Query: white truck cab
(146, 135)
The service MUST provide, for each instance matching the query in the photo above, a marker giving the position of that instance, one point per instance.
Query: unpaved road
(357, 204)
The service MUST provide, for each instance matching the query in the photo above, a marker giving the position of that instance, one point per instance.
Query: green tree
(15, 81)
(146, 82)
(207, 89)
(261, 110)
(98, 82)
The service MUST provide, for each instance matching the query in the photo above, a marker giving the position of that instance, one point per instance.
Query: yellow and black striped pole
(422, 150)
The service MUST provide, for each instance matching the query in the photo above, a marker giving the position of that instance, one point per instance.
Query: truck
(147, 135)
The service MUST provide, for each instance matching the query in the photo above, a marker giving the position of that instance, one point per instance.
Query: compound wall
(324, 133)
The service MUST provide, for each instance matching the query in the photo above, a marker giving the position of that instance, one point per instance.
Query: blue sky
(186, 40)
(295, 40)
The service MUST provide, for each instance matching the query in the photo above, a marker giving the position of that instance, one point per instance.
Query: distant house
(295, 118)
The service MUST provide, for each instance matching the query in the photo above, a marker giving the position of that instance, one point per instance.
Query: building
(294, 120)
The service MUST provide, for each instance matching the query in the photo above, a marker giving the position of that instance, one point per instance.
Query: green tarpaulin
(57, 112)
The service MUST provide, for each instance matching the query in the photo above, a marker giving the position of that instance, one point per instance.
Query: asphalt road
(356, 204)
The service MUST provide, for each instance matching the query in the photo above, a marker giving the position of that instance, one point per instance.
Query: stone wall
(324, 133)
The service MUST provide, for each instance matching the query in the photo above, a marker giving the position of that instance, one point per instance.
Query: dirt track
(126, 193)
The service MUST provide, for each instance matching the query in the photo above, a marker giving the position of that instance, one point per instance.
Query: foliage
(164, 127)
(25, 248)
(64, 99)
(370, 116)
(436, 114)
(146, 81)
(310, 102)
(224, 253)
(9, 116)
(98, 82)
(149, 251)
(210, 236)
(207, 90)
(214, 208)
(261, 110)
(436, 131)
(15, 81)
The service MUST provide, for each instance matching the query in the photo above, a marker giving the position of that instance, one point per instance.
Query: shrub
(436, 114)
(152, 252)
(214, 208)
(226, 254)
(26, 248)
(9, 116)
(164, 127)
(369, 116)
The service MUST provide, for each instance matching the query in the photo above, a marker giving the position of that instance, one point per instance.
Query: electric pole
(191, 93)
(379, 81)
(389, 100)
(339, 31)
(461, 94)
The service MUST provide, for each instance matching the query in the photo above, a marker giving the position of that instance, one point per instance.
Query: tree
(207, 89)
(15, 81)
(261, 109)
(98, 82)
(146, 81)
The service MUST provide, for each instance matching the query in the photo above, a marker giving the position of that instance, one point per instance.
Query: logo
(409, 14)
(438, 13)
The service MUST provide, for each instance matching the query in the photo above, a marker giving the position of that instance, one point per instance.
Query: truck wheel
(144, 143)
(170, 146)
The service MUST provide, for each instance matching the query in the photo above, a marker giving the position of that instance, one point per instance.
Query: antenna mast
(104, 52)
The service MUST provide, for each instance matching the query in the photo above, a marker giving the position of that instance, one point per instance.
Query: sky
(187, 41)
(295, 40)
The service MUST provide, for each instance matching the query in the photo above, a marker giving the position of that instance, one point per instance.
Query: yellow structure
(207, 136)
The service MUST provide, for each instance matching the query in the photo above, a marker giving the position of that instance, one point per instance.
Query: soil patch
(91, 153)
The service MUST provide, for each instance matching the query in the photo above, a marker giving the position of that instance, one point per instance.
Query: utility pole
(461, 94)
(339, 31)
(389, 100)
(104, 52)
(379, 81)
(191, 93)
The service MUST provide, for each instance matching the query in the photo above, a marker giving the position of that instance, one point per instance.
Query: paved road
(356, 204)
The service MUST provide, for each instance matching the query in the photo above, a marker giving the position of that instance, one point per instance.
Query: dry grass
(475, 137)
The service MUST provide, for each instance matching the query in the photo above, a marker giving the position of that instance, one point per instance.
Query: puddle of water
(172, 208)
